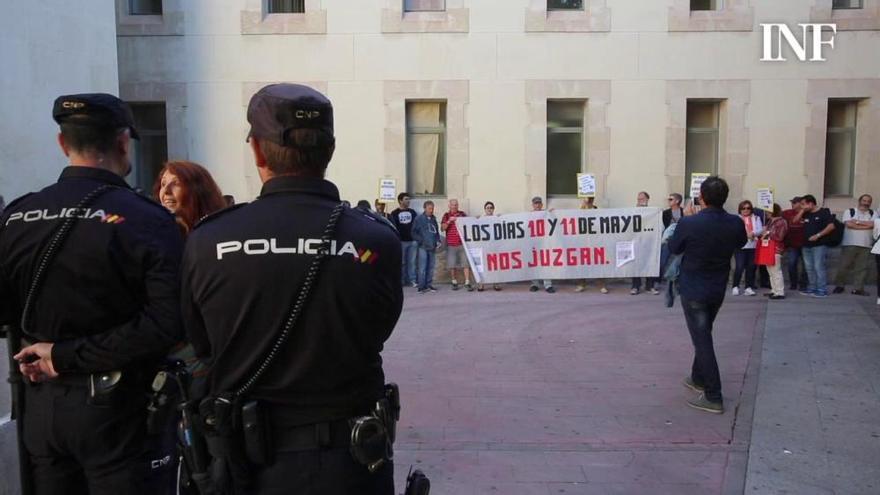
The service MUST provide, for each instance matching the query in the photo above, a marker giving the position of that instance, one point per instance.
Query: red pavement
(532, 393)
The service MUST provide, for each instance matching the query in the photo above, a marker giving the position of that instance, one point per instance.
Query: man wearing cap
(89, 271)
(242, 270)
(538, 205)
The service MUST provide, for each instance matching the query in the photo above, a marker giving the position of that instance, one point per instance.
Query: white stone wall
(635, 61)
(47, 48)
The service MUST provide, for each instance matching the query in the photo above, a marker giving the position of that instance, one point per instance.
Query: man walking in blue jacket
(706, 240)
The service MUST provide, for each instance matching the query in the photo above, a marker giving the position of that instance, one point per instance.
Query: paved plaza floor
(532, 393)
(516, 393)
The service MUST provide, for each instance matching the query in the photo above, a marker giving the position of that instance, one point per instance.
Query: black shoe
(768, 294)
(480, 288)
(496, 287)
(858, 292)
(838, 290)
(534, 288)
(469, 287)
(423, 291)
(454, 286)
(793, 287)
(550, 290)
(774, 297)
(432, 288)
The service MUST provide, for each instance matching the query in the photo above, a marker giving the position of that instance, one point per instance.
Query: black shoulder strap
(298, 305)
(59, 236)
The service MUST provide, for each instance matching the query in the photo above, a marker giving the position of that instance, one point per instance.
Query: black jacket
(667, 217)
(241, 271)
(110, 297)
(707, 240)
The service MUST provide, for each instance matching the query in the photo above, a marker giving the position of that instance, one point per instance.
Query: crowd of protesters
(781, 243)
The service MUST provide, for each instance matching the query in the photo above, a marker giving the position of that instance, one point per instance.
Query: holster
(372, 436)
(228, 470)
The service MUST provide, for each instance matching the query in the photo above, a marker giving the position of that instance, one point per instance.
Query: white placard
(387, 190)
(586, 185)
(765, 198)
(697, 181)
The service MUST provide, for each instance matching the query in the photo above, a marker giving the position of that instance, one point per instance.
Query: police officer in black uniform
(98, 307)
(242, 270)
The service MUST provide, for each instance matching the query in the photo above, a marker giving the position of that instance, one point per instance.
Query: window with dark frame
(149, 153)
(847, 4)
(286, 7)
(697, 5)
(424, 5)
(565, 4)
(702, 139)
(426, 148)
(145, 7)
(565, 145)
(840, 147)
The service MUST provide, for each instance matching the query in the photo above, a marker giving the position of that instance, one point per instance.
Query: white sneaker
(735, 291)
(749, 291)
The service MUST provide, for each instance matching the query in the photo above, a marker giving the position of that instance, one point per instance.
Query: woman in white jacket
(745, 256)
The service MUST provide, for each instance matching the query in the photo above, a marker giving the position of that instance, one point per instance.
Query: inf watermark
(813, 35)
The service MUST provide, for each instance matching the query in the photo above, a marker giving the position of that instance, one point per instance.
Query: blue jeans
(745, 263)
(814, 262)
(700, 318)
(408, 267)
(795, 279)
(427, 259)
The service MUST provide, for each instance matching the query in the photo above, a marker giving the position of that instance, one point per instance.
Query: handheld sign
(586, 185)
(765, 198)
(697, 181)
(387, 190)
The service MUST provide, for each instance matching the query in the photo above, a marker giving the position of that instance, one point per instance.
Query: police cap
(278, 109)
(98, 109)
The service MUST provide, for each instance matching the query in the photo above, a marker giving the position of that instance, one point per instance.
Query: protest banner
(765, 198)
(387, 190)
(563, 244)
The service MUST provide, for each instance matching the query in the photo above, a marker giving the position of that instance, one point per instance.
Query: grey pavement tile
(815, 416)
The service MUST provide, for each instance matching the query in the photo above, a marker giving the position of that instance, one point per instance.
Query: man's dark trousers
(323, 472)
(79, 449)
(700, 316)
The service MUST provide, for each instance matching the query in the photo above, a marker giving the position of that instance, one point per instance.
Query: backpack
(836, 236)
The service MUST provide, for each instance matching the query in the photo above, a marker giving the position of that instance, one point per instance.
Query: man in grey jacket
(427, 237)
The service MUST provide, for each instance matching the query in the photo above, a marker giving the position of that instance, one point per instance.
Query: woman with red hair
(188, 191)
